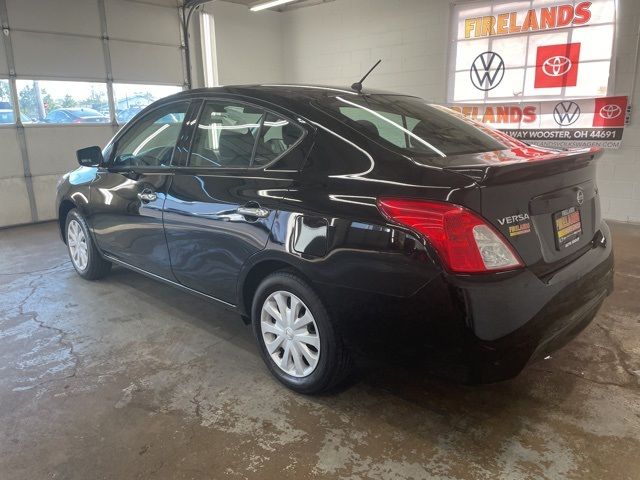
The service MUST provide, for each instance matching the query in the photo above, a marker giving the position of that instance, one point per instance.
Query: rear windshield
(410, 124)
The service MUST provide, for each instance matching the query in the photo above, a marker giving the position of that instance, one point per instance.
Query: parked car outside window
(76, 115)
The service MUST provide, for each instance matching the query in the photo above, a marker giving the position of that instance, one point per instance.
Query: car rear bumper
(523, 318)
(477, 329)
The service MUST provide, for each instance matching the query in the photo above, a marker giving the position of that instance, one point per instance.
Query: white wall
(336, 42)
(619, 170)
(248, 45)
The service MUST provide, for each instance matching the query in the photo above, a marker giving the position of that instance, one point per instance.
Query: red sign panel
(610, 112)
(557, 65)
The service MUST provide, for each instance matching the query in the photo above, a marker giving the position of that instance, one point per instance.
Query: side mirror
(90, 157)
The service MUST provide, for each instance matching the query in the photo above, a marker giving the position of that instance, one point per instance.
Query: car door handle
(147, 196)
(256, 212)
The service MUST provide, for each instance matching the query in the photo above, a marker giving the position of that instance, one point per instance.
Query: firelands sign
(533, 20)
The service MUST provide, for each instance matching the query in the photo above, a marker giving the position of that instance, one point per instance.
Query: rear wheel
(83, 253)
(296, 337)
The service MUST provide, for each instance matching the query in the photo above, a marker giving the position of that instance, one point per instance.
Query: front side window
(226, 135)
(150, 141)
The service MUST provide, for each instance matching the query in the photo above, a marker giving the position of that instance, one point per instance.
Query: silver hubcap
(77, 243)
(290, 334)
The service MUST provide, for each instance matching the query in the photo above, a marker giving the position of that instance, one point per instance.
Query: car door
(221, 205)
(127, 195)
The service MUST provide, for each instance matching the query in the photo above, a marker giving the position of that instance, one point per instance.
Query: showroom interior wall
(63, 40)
(248, 45)
(336, 42)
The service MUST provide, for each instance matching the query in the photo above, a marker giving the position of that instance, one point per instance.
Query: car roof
(279, 89)
(287, 95)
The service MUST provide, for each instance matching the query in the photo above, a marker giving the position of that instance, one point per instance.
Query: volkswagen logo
(610, 111)
(580, 197)
(566, 113)
(556, 66)
(487, 71)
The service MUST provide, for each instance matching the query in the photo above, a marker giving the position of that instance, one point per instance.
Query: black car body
(328, 206)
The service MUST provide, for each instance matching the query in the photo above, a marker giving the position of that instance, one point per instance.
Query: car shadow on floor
(210, 317)
(410, 382)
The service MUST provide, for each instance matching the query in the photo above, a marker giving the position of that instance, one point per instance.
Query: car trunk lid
(544, 202)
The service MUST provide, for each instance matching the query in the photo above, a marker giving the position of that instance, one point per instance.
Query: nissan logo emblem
(556, 66)
(566, 113)
(487, 71)
(580, 197)
(610, 111)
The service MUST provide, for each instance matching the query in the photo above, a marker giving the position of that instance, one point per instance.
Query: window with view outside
(410, 125)
(132, 98)
(525, 50)
(53, 101)
(6, 110)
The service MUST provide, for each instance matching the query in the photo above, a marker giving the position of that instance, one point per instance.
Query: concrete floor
(126, 378)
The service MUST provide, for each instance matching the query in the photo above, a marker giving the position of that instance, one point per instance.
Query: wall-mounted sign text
(544, 18)
(556, 124)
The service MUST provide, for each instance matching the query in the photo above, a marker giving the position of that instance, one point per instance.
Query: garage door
(71, 72)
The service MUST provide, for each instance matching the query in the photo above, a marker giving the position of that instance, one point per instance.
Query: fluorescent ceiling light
(270, 4)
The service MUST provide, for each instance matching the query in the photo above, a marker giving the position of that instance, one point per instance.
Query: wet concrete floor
(126, 378)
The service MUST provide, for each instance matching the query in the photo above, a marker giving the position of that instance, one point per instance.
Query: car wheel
(83, 253)
(297, 340)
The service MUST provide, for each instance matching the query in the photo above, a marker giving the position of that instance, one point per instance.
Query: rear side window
(276, 137)
(240, 136)
(226, 135)
(411, 125)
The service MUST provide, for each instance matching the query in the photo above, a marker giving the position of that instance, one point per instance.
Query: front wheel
(297, 340)
(83, 253)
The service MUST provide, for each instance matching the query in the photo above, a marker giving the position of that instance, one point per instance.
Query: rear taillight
(465, 242)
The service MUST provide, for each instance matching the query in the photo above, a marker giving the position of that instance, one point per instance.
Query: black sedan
(341, 223)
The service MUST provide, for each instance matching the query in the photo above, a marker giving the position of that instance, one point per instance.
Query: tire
(85, 259)
(310, 374)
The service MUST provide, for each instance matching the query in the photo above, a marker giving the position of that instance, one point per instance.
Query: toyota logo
(487, 71)
(556, 66)
(580, 197)
(610, 111)
(566, 113)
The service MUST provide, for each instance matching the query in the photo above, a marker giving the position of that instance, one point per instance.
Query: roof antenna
(358, 85)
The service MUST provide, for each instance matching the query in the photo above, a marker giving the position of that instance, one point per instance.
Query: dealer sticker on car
(568, 227)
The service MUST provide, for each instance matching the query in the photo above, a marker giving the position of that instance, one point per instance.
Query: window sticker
(579, 123)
